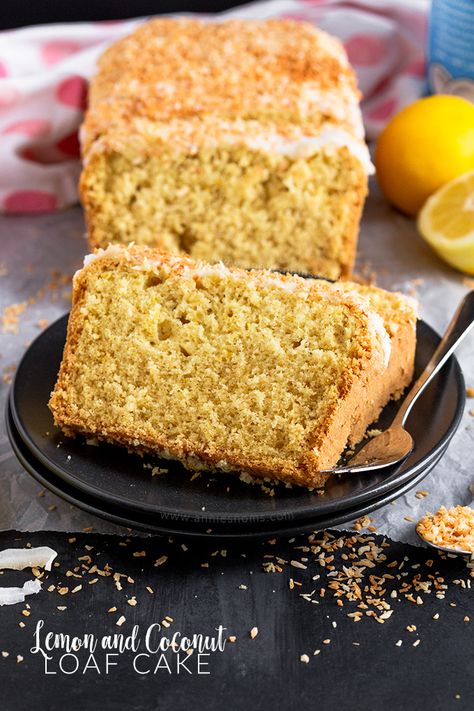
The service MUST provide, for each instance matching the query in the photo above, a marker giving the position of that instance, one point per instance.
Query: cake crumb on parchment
(11, 317)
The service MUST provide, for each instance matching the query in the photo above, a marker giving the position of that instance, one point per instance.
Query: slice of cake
(227, 369)
(399, 316)
(239, 141)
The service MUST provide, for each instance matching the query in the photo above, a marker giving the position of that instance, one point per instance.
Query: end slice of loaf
(240, 141)
(226, 369)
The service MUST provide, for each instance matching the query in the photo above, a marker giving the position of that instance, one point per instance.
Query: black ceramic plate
(110, 474)
(176, 526)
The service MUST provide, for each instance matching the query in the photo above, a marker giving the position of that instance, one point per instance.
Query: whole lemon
(423, 147)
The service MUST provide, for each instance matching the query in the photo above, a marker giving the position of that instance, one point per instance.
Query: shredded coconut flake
(449, 528)
(21, 558)
(12, 596)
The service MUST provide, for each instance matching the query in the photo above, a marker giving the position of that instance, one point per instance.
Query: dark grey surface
(263, 673)
(18, 13)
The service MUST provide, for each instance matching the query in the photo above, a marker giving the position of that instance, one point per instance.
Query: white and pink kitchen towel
(44, 73)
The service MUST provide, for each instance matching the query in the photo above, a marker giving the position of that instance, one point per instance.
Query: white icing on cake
(329, 139)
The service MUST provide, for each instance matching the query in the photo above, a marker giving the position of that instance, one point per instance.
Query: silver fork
(395, 443)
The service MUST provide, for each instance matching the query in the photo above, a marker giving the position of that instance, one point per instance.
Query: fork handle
(459, 327)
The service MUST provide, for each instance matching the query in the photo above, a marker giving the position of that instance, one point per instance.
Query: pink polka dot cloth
(44, 73)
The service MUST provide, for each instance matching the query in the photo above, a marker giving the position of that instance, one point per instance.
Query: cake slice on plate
(239, 141)
(225, 369)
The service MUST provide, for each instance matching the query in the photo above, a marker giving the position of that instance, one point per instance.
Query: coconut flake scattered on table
(21, 558)
(11, 596)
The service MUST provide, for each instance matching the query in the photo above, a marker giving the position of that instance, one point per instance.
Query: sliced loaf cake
(226, 369)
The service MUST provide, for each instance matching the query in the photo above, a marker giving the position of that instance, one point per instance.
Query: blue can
(451, 48)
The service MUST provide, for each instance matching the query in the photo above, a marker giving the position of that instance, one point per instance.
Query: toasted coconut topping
(450, 528)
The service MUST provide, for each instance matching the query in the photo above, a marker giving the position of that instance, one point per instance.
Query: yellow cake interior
(209, 360)
(227, 369)
(241, 206)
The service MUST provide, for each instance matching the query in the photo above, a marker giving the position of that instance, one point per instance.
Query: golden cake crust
(168, 69)
(362, 392)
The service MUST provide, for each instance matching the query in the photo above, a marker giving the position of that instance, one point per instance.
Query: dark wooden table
(201, 587)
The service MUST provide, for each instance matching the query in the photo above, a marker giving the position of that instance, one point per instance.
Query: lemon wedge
(446, 222)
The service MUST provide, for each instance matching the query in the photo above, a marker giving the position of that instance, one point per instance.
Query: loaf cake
(227, 369)
(240, 141)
